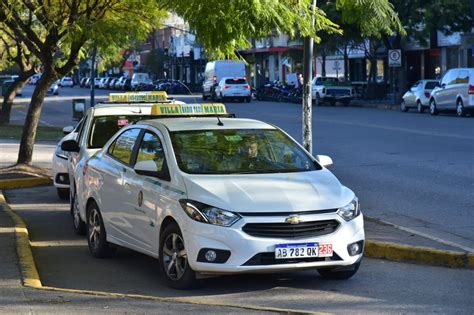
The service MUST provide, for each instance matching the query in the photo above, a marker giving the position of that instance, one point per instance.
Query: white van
(456, 92)
(216, 70)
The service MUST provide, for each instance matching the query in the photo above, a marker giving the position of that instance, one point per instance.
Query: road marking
(58, 243)
(41, 121)
(420, 132)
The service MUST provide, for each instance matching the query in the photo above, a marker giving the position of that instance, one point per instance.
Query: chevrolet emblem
(293, 219)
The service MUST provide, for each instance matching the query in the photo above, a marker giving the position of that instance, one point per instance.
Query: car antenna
(219, 123)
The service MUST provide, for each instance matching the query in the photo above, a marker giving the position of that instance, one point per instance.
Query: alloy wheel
(175, 260)
(94, 228)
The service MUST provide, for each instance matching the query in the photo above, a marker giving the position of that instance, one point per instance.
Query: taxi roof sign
(188, 109)
(136, 97)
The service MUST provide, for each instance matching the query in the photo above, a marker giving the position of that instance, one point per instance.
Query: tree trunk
(7, 104)
(25, 154)
(346, 64)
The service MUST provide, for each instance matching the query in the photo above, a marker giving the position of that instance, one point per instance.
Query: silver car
(418, 96)
(456, 92)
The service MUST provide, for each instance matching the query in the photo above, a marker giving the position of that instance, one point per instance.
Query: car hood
(281, 192)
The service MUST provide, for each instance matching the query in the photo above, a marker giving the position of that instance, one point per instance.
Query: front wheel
(433, 109)
(460, 111)
(174, 259)
(78, 224)
(339, 273)
(403, 107)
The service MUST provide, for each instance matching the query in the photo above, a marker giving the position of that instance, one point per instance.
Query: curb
(24, 182)
(422, 255)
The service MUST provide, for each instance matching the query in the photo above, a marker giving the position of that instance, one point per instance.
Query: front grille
(292, 231)
(265, 259)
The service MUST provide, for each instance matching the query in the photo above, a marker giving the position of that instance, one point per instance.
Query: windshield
(240, 151)
(104, 127)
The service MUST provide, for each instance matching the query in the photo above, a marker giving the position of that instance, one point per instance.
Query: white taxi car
(99, 124)
(212, 195)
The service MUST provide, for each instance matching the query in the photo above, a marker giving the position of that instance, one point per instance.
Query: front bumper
(256, 254)
(60, 172)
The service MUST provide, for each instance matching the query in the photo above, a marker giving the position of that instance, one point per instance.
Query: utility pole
(94, 54)
(307, 95)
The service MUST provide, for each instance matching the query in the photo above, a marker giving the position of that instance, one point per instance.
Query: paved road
(380, 286)
(410, 169)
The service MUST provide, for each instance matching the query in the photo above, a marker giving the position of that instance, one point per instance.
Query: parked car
(7, 83)
(34, 78)
(97, 82)
(82, 82)
(418, 96)
(233, 88)
(331, 90)
(126, 85)
(87, 83)
(141, 81)
(250, 199)
(215, 71)
(455, 93)
(54, 88)
(67, 81)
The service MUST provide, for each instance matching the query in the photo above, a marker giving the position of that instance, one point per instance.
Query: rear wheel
(96, 235)
(248, 99)
(460, 111)
(339, 273)
(173, 259)
(63, 193)
(318, 100)
(433, 109)
(419, 108)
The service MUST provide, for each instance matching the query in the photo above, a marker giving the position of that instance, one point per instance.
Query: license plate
(304, 250)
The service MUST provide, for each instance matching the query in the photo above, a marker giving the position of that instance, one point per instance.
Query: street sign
(394, 58)
(336, 65)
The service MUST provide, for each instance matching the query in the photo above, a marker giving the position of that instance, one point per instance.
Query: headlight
(60, 153)
(351, 210)
(208, 214)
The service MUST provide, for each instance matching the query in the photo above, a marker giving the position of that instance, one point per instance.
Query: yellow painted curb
(423, 255)
(24, 182)
(25, 256)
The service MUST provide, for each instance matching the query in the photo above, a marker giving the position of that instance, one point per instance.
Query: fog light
(355, 248)
(210, 255)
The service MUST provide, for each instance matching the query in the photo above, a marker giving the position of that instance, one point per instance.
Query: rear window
(431, 85)
(236, 81)
(104, 127)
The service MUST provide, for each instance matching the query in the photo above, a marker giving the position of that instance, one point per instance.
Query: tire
(419, 108)
(173, 254)
(403, 107)
(318, 100)
(96, 234)
(332, 103)
(433, 108)
(63, 193)
(346, 102)
(460, 110)
(338, 273)
(204, 97)
(77, 223)
(248, 99)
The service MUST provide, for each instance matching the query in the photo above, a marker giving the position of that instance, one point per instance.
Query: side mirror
(70, 146)
(443, 85)
(324, 160)
(68, 129)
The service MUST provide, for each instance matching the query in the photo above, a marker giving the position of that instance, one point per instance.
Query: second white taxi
(218, 195)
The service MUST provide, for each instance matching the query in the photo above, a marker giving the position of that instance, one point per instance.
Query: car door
(147, 193)
(445, 94)
(462, 85)
(114, 196)
(410, 98)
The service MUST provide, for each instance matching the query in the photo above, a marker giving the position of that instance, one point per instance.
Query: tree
(57, 32)
(14, 52)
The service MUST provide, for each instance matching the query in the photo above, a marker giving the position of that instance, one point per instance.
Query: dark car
(127, 84)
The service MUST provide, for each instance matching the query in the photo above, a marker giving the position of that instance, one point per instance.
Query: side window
(450, 77)
(80, 129)
(151, 149)
(446, 77)
(463, 77)
(122, 147)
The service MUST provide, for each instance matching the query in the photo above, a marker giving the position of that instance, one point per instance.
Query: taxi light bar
(137, 97)
(188, 109)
